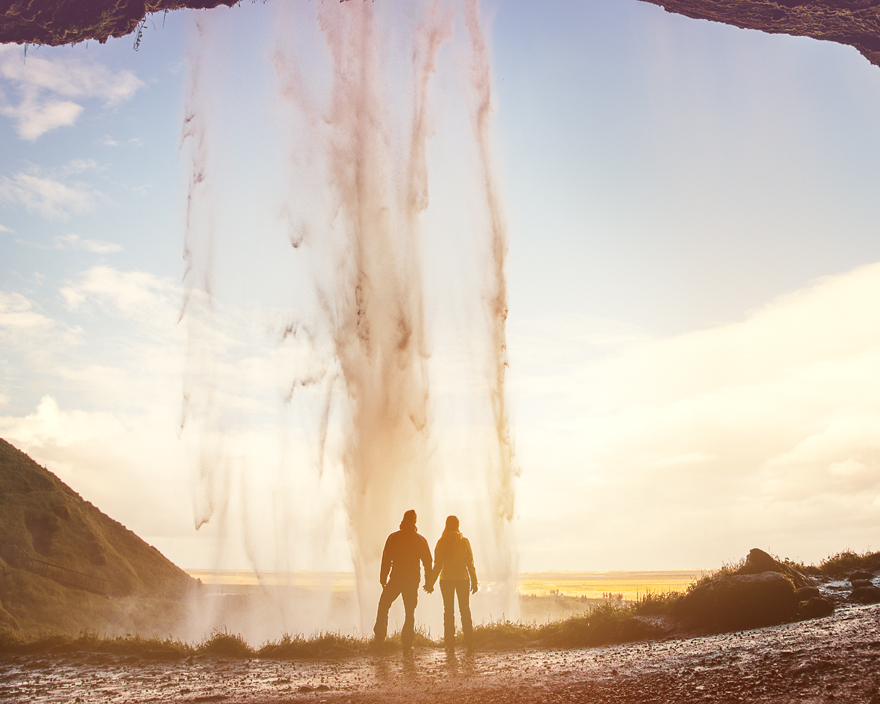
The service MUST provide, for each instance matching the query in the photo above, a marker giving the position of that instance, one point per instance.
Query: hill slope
(66, 566)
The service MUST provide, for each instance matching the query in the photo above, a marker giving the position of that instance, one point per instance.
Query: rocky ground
(831, 659)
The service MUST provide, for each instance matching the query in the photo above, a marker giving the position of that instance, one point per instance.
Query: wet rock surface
(865, 594)
(815, 607)
(831, 659)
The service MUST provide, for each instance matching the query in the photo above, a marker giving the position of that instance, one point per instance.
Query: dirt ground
(833, 659)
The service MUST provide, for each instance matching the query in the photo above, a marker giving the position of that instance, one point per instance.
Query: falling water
(358, 167)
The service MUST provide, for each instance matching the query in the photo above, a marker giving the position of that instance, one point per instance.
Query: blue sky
(693, 278)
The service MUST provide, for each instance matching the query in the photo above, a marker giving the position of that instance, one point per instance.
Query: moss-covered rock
(739, 601)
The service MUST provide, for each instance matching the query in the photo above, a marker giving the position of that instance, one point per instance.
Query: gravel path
(834, 659)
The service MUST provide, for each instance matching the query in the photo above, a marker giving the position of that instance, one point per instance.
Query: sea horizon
(589, 584)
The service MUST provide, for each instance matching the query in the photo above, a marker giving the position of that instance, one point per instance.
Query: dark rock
(759, 561)
(807, 593)
(816, 607)
(865, 595)
(59, 22)
(740, 601)
(859, 583)
(852, 22)
(860, 575)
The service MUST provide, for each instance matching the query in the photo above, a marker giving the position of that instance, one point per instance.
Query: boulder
(816, 607)
(759, 561)
(865, 595)
(807, 593)
(740, 601)
(860, 575)
(859, 583)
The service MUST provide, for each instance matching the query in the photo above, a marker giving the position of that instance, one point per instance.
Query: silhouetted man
(454, 564)
(403, 552)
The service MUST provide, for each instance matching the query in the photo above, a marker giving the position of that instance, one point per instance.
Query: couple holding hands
(453, 564)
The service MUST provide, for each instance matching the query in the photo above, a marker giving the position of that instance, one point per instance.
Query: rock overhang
(54, 22)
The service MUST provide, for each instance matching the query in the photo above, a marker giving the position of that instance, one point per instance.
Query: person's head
(409, 520)
(451, 524)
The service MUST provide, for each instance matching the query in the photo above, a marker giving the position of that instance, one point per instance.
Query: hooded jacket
(453, 558)
(404, 549)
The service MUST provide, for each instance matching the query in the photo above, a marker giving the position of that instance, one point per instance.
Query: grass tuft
(319, 645)
(847, 562)
(226, 645)
(92, 642)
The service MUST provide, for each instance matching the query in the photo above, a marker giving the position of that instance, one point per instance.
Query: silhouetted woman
(454, 564)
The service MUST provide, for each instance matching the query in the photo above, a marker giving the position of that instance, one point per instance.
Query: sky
(693, 274)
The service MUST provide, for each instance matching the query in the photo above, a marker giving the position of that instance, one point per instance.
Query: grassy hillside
(65, 566)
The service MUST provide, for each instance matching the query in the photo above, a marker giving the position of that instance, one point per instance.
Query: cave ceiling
(55, 22)
(852, 22)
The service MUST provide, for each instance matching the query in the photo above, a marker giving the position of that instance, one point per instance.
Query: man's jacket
(403, 552)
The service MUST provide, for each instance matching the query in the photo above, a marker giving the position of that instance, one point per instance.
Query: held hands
(429, 588)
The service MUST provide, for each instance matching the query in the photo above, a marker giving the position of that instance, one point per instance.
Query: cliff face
(58, 22)
(853, 22)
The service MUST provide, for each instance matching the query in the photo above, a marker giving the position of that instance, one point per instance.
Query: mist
(390, 381)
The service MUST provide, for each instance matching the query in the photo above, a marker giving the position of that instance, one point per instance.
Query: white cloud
(53, 195)
(36, 117)
(62, 428)
(4, 229)
(109, 141)
(76, 166)
(76, 242)
(135, 295)
(51, 89)
(688, 458)
(847, 468)
(30, 339)
(17, 313)
(698, 447)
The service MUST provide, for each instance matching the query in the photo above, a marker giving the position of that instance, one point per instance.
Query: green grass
(846, 562)
(225, 645)
(299, 647)
(726, 570)
(92, 642)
